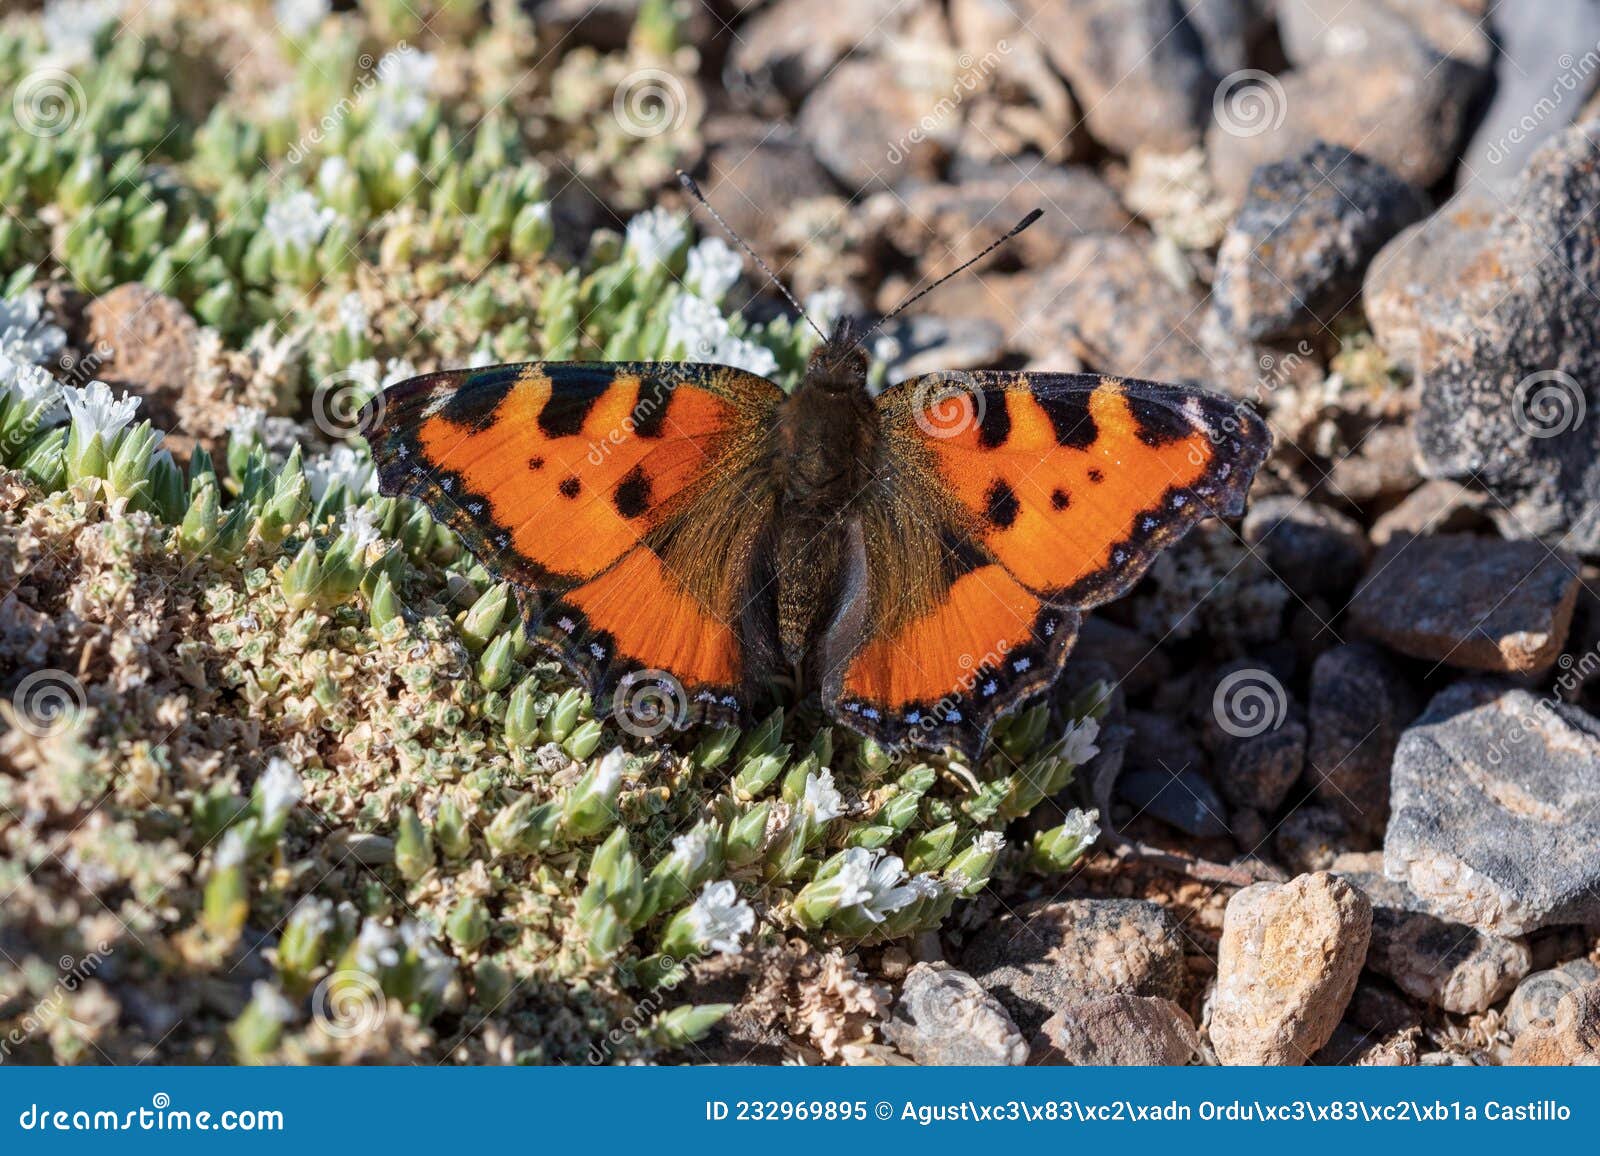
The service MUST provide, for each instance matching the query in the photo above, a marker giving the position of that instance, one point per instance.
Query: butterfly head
(840, 363)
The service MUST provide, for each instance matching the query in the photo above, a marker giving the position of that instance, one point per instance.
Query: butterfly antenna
(693, 190)
(961, 268)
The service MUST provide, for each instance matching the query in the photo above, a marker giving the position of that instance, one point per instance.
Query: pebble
(1360, 704)
(944, 1018)
(1477, 603)
(1315, 550)
(1572, 1039)
(1287, 966)
(1449, 965)
(1532, 1007)
(1121, 1031)
(1049, 955)
(1293, 259)
(869, 125)
(1496, 809)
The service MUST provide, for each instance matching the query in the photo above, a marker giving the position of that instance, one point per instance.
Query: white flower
(247, 423)
(71, 28)
(690, 851)
(376, 948)
(313, 915)
(696, 326)
(30, 388)
(1077, 745)
(232, 851)
(608, 774)
(654, 236)
(481, 356)
(746, 355)
(298, 17)
(925, 886)
(95, 411)
(271, 1002)
(361, 523)
(406, 165)
(871, 881)
(331, 174)
(353, 315)
(340, 466)
(714, 268)
(825, 307)
(397, 370)
(989, 843)
(1083, 824)
(405, 81)
(25, 333)
(437, 968)
(298, 220)
(821, 800)
(278, 789)
(719, 919)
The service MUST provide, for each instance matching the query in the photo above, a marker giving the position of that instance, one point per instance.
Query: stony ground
(281, 780)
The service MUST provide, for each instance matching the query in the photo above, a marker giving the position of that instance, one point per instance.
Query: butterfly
(924, 556)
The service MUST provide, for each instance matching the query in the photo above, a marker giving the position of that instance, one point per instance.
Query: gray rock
(1449, 965)
(1139, 664)
(1180, 798)
(1532, 1007)
(1138, 68)
(1382, 468)
(1476, 603)
(1106, 303)
(1313, 30)
(1436, 507)
(927, 343)
(1405, 113)
(870, 126)
(753, 168)
(1227, 30)
(1122, 1031)
(1508, 347)
(1360, 704)
(1257, 772)
(1496, 809)
(792, 44)
(1572, 1039)
(1315, 550)
(1286, 968)
(1311, 837)
(944, 1018)
(1050, 955)
(1540, 86)
(1294, 257)
(1028, 111)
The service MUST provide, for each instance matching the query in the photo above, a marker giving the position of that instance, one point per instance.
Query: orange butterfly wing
(601, 490)
(1046, 494)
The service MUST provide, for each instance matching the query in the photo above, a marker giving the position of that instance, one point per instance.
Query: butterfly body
(923, 556)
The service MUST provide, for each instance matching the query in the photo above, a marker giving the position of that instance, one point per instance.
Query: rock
(944, 1018)
(1027, 109)
(1139, 664)
(1227, 30)
(1137, 67)
(1360, 704)
(1120, 1030)
(1572, 1039)
(1311, 837)
(869, 123)
(943, 225)
(752, 166)
(1313, 30)
(1532, 1007)
(1476, 603)
(1349, 1045)
(1402, 112)
(793, 44)
(1287, 966)
(1257, 772)
(1496, 809)
(1382, 468)
(1107, 303)
(1179, 798)
(1294, 257)
(1449, 965)
(1438, 507)
(1314, 549)
(1049, 955)
(144, 342)
(1509, 350)
(1538, 90)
